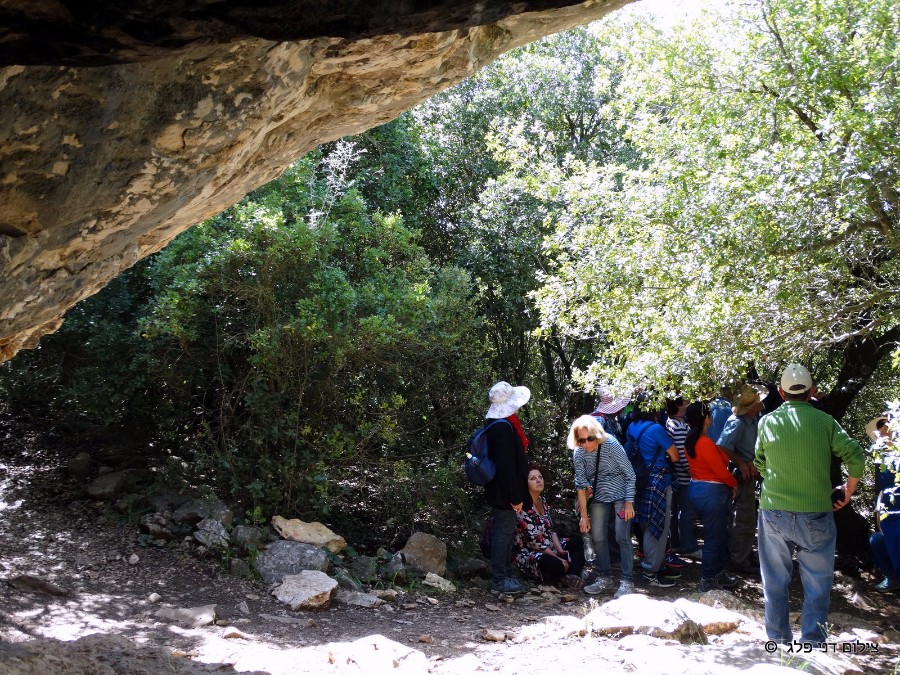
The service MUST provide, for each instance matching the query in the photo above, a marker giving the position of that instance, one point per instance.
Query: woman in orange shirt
(711, 491)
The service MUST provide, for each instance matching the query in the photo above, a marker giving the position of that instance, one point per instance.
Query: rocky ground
(72, 567)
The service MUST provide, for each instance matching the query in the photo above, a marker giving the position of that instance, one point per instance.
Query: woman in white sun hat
(507, 493)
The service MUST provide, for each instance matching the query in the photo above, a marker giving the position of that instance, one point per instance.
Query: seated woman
(539, 552)
(711, 490)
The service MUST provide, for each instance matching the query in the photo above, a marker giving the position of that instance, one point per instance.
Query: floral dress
(534, 535)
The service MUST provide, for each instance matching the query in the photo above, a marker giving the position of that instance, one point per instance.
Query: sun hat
(748, 396)
(796, 379)
(610, 405)
(872, 430)
(506, 399)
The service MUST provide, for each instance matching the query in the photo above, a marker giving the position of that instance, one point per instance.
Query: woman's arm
(584, 522)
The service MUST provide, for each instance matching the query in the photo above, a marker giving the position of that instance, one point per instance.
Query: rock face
(148, 119)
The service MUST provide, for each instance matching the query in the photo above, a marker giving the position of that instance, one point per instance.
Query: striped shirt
(678, 430)
(616, 480)
(793, 454)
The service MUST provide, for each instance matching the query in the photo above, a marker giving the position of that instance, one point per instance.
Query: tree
(762, 226)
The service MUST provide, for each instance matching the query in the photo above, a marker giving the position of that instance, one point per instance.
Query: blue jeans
(655, 549)
(812, 536)
(502, 539)
(885, 547)
(599, 514)
(712, 503)
(684, 511)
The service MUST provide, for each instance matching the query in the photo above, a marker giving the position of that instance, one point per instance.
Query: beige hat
(872, 427)
(506, 399)
(748, 396)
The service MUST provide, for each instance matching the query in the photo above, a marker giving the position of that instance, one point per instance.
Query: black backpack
(479, 466)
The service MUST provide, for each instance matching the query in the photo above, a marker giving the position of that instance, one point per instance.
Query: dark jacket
(510, 485)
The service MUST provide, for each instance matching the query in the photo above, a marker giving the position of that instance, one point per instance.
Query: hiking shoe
(694, 555)
(707, 585)
(602, 585)
(625, 587)
(657, 580)
(725, 580)
(509, 586)
(674, 561)
(669, 573)
(886, 585)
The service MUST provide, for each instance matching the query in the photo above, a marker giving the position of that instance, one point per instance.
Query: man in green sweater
(793, 456)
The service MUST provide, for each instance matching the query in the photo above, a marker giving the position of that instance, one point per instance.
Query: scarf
(517, 425)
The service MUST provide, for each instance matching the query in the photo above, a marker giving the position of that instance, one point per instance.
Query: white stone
(308, 590)
(192, 617)
(440, 582)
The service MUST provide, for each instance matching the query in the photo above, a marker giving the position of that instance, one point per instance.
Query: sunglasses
(582, 441)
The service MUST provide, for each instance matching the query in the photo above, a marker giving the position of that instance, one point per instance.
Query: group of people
(700, 460)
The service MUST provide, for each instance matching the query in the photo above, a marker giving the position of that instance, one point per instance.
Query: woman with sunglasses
(602, 467)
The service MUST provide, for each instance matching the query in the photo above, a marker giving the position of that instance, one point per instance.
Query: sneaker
(509, 586)
(602, 585)
(707, 585)
(725, 580)
(673, 560)
(694, 555)
(669, 573)
(657, 580)
(886, 585)
(639, 554)
(625, 587)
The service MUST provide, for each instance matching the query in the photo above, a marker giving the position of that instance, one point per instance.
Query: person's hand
(744, 468)
(844, 498)
(584, 524)
(629, 511)
(734, 493)
(516, 507)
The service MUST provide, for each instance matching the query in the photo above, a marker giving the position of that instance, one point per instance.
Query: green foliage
(761, 226)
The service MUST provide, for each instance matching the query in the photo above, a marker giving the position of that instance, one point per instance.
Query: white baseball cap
(796, 379)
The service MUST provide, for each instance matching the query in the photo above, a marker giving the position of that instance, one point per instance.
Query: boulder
(79, 467)
(196, 510)
(158, 526)
(365, 568)
(108, 485)
(425, 553)
(212, 534)
(284, 558)
(309, 533)
(395, 569)
(308, 590)
(190, 617)
(239, 568)
(685, 621)
(439, 582)
(248, 537)
(474, 567)
(358, 599)
(346, 580)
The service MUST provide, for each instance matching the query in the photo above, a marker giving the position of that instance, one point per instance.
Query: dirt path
(114, 586)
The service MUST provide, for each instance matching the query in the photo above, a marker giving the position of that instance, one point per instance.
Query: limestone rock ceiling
(124, 123)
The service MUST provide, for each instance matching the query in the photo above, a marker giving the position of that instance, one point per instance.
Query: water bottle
(589, 554)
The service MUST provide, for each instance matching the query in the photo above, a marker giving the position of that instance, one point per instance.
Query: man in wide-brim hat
(738, 441)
